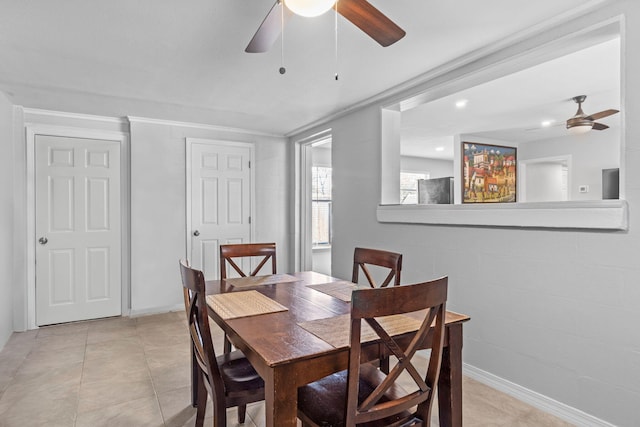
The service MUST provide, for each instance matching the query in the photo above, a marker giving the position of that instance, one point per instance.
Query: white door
(78, 247)
(219, 202)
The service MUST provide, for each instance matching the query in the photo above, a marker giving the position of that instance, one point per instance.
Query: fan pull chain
(336, 37)
(282, 70)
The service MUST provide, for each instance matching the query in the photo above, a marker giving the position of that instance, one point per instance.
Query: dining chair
(229, 378)
(390, 260)
(243, 250)
(385, 259)
(365, 396)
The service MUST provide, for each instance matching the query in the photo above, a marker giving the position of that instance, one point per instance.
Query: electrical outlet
(583, 188)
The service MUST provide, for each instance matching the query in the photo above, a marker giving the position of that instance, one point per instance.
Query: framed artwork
(489, 173)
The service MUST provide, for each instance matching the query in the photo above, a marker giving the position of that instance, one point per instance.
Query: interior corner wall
(6, 220)
(552, 311)
(158, 206)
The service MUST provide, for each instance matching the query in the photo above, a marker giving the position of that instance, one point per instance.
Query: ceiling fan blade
(270, 29)
(370, 20)
(601, 114)
(599, 126)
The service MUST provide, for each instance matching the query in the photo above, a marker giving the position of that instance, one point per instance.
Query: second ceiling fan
(359, 12)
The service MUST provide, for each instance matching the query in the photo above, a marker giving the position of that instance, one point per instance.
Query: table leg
(450, 382)
(281, 398)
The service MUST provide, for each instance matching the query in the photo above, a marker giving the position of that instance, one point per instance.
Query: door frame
(522, 173)
(33, 130)
(303, 254)
(252, 183)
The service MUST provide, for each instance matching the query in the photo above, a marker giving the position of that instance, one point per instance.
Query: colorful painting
(489, 173)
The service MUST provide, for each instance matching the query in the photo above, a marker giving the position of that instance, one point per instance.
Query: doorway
(219, 200)
(78, 226)
(545, 179)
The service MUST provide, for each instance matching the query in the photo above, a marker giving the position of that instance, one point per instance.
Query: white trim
(156, 310)
(252, 182)
(145, 120)
(303, 254)
(598, 214)
(79, 116)
(537, 400)
(31, 130)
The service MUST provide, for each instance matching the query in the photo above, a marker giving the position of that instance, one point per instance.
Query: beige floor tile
(114, 348)
(143, 412)
(170, 355)
(39, 405)
(171, 377)
(40, 360)
(177, 410)
(101, 394)
(68, 329)
(124, 367)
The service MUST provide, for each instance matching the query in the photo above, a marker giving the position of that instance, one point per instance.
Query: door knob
(196, 233)
(43, 240)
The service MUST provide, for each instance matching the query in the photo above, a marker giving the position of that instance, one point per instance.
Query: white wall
(553, 311)
(436, 168)
(6, 220)
(158, 203)
(590, 153)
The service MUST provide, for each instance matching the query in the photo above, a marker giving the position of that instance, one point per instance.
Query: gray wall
(158, 200)
(590, 153)
(6, 221)
(554, 311)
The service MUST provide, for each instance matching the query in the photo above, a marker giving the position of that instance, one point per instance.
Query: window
(321, 206)
(409, 187)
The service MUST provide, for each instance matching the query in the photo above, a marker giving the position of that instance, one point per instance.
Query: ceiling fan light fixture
(580, 128)
(309, 8)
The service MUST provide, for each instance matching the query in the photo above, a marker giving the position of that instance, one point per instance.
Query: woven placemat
(341, 289)
(250, 281)
(336, 330)
(242, 304)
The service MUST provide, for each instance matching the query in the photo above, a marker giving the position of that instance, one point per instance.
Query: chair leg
(242, 412)
(227, 345)
(202, 401)
(195, 374)
(384, 364)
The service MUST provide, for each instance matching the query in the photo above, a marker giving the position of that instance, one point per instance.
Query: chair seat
(324, 401)
(238, 374)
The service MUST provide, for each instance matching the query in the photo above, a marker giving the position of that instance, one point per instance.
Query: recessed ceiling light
(547, 123)
(461, 103)
(439, 148)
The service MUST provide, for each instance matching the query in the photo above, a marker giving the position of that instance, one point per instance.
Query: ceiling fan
(360, 12)
(581, 122)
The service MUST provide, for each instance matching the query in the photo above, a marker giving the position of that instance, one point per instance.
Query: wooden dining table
(287, 356)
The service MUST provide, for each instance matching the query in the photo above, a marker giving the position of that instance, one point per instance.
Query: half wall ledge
(596, 215)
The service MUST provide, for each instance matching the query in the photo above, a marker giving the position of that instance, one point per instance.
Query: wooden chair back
(391, 260)
(367, 306)
(228, 252)
(204, 354)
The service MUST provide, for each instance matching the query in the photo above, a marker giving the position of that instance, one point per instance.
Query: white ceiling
(185, 60)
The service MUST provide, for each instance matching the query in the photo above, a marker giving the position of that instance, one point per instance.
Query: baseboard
(155, 310)
(537, 400)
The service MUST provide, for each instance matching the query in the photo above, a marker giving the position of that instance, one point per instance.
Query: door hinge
(249, 220)
(249, 164)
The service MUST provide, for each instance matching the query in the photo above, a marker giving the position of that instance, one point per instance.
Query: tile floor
(134, 372)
